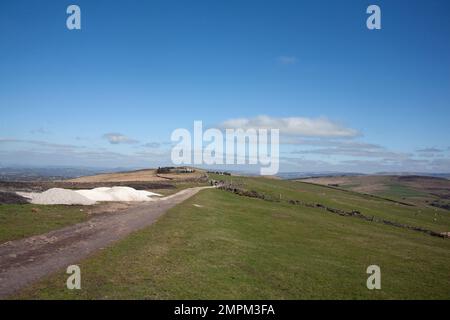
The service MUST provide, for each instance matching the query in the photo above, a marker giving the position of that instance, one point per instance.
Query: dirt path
(26, 260)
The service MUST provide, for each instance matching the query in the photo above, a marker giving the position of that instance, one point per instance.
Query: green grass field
(24, 220)
(401, 192)
(419, 215)
(235, 247)
(178, 186)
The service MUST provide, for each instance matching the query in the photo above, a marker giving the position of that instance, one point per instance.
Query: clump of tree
(221, 173)
(164, 169)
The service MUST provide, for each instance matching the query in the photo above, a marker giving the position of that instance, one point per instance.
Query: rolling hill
(262, 238)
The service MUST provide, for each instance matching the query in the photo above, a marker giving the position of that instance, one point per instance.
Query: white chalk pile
(88, 197)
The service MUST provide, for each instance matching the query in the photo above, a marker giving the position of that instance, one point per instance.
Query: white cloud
(298, 126)
(118, 138)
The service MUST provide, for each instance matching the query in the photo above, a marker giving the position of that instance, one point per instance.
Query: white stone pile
(88, 197)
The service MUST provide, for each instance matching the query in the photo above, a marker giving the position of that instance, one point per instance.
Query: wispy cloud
(366, 165)
(152, 145)
(295, 126)
(40, 143)
(429, 150)
(40, 131)
(356, 152)
(350, 148)
(329, 142)
(54, 154)
(118, 138)
(286, 60)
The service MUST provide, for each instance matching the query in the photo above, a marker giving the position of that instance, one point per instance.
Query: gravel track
(25, 261)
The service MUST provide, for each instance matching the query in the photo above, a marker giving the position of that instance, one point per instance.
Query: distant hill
(302, 175)
(422, 174)
(145, 175)
(413, 188)
(47, 173)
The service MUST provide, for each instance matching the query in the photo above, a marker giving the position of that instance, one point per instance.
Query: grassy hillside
(219, 245)
(433, 218)
(24, 220)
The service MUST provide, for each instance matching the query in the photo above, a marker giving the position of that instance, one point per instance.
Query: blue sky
(137, 70)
